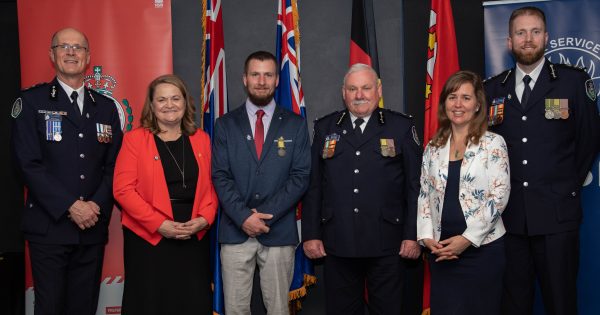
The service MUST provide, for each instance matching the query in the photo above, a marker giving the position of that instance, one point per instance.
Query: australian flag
(214, 105)
(289, 95)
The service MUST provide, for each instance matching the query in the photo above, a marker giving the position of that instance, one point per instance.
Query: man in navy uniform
(548, 116)
(65, 139)
(360, 210)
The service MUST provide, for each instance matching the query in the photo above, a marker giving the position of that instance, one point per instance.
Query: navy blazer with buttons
(57, 173)
(273, 183)
(362, 202)
(549, 158)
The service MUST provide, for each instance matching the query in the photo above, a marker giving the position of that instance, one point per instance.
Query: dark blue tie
(526, 91)
(357, 123)
(74, 96)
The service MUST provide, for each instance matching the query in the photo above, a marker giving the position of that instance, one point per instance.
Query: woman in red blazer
(162, 183)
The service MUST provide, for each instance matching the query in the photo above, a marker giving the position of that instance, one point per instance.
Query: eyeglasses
(66, 47)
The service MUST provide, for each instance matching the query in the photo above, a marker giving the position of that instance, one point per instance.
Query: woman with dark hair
(465, 186)
(163, 185)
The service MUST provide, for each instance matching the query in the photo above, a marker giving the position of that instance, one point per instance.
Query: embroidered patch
(17, 108)
(415, 135)
(590, 90)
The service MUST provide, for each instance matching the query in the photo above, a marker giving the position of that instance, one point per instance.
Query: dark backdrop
(249, 26)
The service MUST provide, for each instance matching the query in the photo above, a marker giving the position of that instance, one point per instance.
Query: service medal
(564, 108)
(384, 147)
(325, 147)
(496, 111)
(387, 147)
(281, 147)
(53, 127)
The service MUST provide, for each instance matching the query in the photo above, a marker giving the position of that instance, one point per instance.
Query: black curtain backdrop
(325, 30)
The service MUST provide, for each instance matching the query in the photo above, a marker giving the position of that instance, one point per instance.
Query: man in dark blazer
(548, 116)
(361, 207)
(65, 140)
(260, 170)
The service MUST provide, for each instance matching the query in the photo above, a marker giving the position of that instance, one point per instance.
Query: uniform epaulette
(387, 110)
(568, 66)
(34, 86)
(502, 74)
(328, 115)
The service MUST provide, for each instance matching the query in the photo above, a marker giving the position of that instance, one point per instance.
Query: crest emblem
(105, 84)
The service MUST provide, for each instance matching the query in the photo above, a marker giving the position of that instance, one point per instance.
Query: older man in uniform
(548, 116)
(360, 209)
(65, 139)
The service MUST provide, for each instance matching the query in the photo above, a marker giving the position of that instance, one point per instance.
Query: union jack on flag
(214, 100)
(289, 92)
(289, 95)
(214, 105)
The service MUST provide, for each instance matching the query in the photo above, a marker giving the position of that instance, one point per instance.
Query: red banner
(130, 45)
(442, 61)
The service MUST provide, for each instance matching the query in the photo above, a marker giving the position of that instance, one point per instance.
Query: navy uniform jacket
(361, 203)
(272, 184)
(57, 173)
(549, 158)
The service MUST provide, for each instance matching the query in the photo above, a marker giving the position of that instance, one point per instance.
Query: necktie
(74, 96)
(357, 123)
(526, 91)
(259, 132)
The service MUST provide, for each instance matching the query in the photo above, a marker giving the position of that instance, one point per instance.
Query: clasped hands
(449, 248)
(255, 224)
(84, 213)
(182, 230)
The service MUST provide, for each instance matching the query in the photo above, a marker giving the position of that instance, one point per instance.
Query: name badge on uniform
(387, 147)
(53, 126)
(329, 146)
(104, 133)
(496, 112)
(281, 146)
(556, 108)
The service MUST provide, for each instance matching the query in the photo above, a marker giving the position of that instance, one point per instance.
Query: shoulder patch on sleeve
(17, 108)
(590, 90)
(415, 135)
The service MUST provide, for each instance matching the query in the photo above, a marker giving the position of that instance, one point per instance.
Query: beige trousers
(276, 269)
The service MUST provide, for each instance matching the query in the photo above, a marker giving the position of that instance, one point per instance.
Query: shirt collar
(269, 109)
(353, 118)
(70, 90)
(535, 74)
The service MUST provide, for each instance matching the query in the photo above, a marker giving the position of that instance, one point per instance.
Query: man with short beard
(260, 169)
(548, 116)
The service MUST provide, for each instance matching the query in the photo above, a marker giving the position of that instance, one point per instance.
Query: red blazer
(140, 187)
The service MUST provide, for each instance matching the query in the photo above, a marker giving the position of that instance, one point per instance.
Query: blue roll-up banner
(574, 38)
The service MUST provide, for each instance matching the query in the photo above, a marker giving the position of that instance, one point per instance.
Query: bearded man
(548, 116)
(260, 170)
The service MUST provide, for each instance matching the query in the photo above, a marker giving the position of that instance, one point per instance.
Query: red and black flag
(363, 42)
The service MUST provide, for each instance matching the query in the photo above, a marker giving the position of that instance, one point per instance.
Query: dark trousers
(12, 283)
(345, 280)
(66, 278)
(554, 260)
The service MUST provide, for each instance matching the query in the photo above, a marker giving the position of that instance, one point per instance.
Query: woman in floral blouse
(465, 186)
